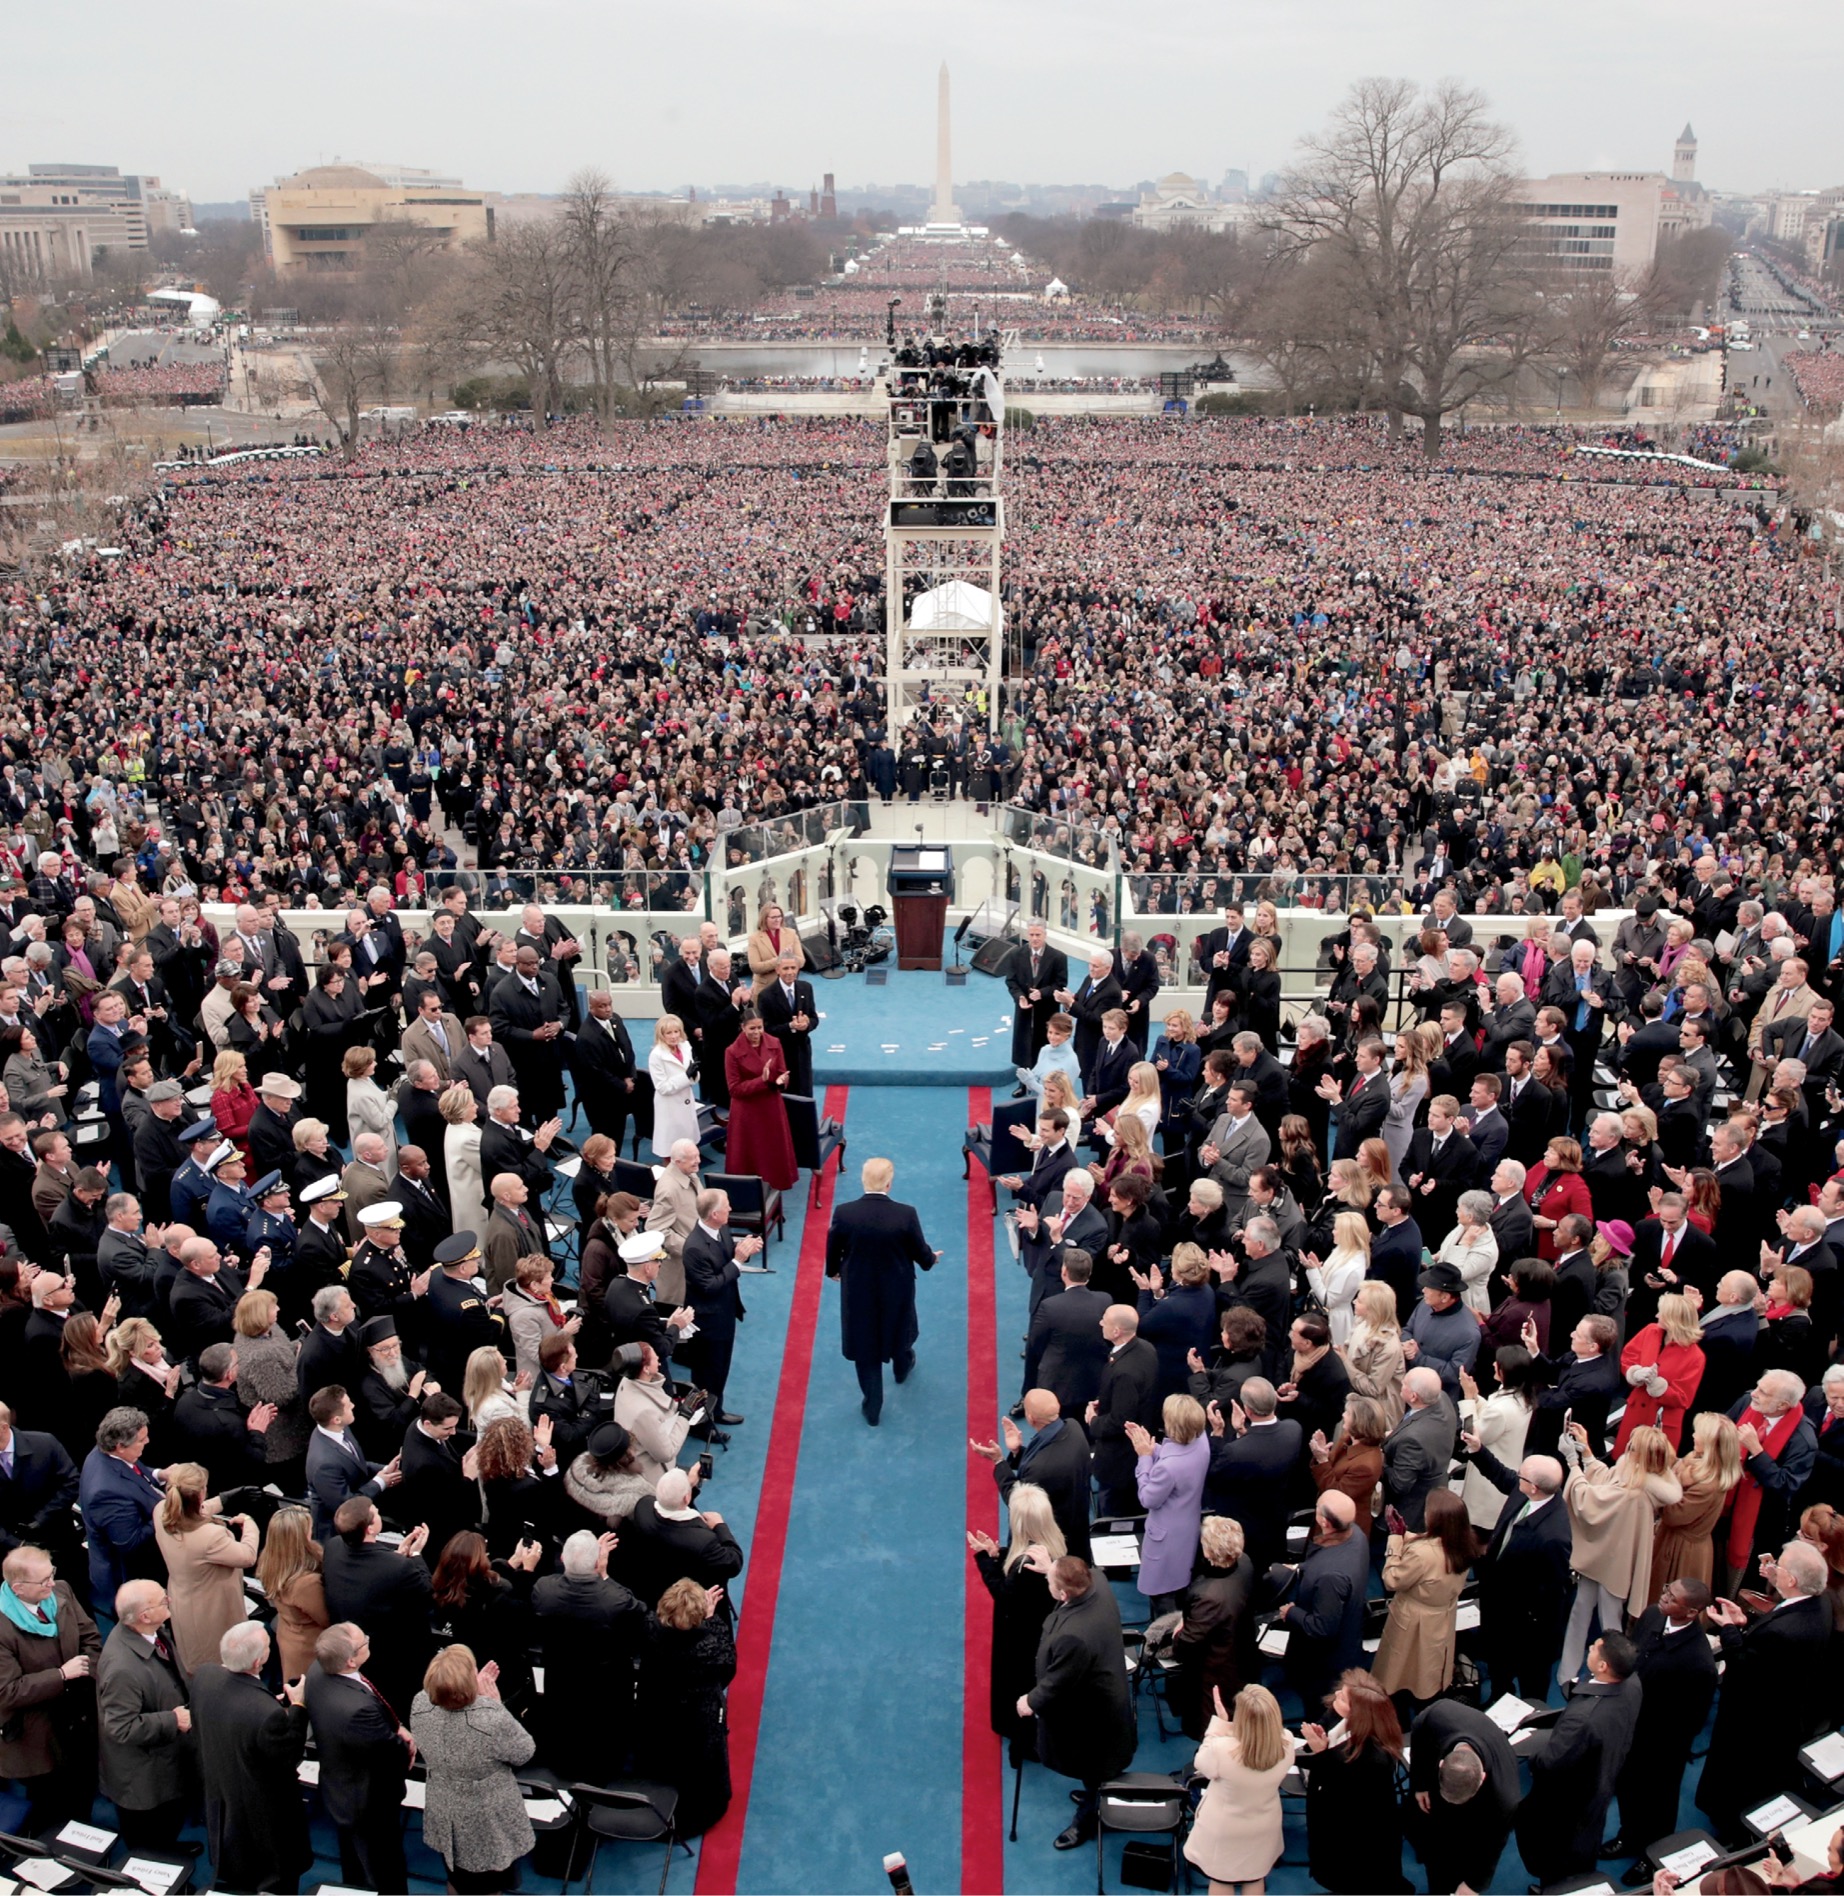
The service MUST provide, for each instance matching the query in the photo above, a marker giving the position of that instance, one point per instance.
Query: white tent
(955, 607)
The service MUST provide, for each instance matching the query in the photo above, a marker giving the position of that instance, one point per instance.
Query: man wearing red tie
(1364, 1107)
(148, 1755)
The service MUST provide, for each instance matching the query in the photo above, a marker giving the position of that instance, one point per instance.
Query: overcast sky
(215, 99)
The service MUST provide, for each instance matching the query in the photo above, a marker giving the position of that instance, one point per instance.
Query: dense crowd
(159, 382)
(1820, 376)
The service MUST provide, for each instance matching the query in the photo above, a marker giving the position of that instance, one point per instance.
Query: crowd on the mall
(1263, 659)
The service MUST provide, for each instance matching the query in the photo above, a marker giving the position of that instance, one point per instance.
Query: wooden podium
(921, 886)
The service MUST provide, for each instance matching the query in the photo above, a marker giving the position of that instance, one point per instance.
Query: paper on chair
(1826, 1756)
(1115, 1550)
(537, 1678)
(308, 1771)
(86, 1837)
(1773, 1816)
(1508, 1712)
(543, 1810)
(1274, 1641)
(1466, 1616)
(42, 1873)
(1685, 1863)
(568, 1168)
(155, 1877)
(415, 1794)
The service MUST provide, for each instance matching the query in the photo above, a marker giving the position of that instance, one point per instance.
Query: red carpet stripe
(721, 1853)
(982, 1787)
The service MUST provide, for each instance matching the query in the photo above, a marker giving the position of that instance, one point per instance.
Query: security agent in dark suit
(874, 1248)
(38, 1490)
(1129, 1393)
(364, 1752)
(1033, 968)
(1526, 1105)
(605, 1070)
(1050, 1164)
(215, 1429)
(713, 1264)
(385, 1590)
(1056, 1458)
(1677, 1672)
(530, 1015)
(1324, 1617)
(1418, 1451)
(1254, 1468)
(1065, 1351)
(1524, 1574)
(1439, 1165)
(1463, 1766)
(484, 1064)
(790, 1013)
(1576, 1764)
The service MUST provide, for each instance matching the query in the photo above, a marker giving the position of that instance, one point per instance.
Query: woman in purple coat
(1171, 1484)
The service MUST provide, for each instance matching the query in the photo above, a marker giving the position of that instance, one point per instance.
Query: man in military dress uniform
(227, 1210)
(269, 1223)
(321, 1257)
(460, 1321)
(382, 1280)
(190, 1186)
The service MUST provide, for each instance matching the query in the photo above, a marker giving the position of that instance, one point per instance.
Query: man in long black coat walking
(875, 1248)
(250, 1746)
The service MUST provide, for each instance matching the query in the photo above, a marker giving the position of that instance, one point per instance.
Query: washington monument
(944, 210)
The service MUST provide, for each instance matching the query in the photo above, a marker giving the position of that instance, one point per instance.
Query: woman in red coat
(1663, 1365)
(233, 1100)
(759, 1143)
(1554, 1189)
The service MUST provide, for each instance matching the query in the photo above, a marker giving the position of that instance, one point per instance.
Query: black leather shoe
(902, 1370)
(871, 1415)
(1017, 1092)
(1075, 1836)
(726, 1420)
(1613, 1847)
(1016, 1411)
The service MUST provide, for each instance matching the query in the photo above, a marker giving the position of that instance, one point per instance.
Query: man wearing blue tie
(336, 1465)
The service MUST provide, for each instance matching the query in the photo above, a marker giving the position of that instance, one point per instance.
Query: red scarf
(1745, 1502)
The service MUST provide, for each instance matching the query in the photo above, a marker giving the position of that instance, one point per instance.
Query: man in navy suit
(1254, 1463)
(38, 1483)
(874, 1249)
(364, 1755)
(1056, 1458)
(1395, 1251)
(1487, 1127)
(1050, 1164)
(1524, 1575)
(713, 1266)
(118, 1497)
(336, 1465)
(1113, 1060)
(1066, 1352)
(790, 1013)
(1044, 1241)
(1365, 1103)
(1097, 995)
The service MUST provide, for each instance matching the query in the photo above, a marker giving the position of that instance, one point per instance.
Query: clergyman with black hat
(1441, 1333)
(390, 1392)
(1638, 945)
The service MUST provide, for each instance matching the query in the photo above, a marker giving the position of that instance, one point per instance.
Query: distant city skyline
(784, 93)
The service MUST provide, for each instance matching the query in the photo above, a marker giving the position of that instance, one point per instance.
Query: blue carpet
(913, 1031)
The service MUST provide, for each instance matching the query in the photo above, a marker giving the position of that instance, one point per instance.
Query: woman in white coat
(467, 1194)
(369, 1108)
(1501, 1419)
(1472, 1250)
(1335, 1280)
(675, 1106)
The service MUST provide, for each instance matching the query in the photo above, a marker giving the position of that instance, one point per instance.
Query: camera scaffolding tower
(944, 525)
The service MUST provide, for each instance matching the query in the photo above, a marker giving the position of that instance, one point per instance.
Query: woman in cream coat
(645, 1408)
(205, 1565)
(369, 1108)
(1613, 1515)
(1373, 1354)
(1335, 1281)
(1236, 1838)
(1472, 1250)
(1501, 1420)
(1425, 1574)
(467, 1196)
(772, 939)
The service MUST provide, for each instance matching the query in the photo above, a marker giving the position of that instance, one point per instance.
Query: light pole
(1562, 376)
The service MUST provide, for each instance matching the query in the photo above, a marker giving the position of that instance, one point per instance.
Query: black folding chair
(630, 1810)
(995, 1148)
(815, 1139)
(632, 1176)
(1146, 1803)
(754, 1206)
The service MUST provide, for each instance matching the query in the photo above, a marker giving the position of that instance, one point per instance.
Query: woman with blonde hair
(1236, 1836)
(205, 1562)
(1143, 1098)
(369, 1108)
(1683, 1546)
(1613, 1515)
(1408, 1087)
(1129, 1155)
(1059, 1091)
(233, 1099)
(314, 1156)
(1353, 1464)
(1663, 1364)
(771, 939)
(289, 1572)
(1177, 1059)
(467, 1192)
(685, 1669)
(670, 1065)
(1373, 1353)
(1021, 1603)
(136, 1356)
(1335, 1279)
(488, 1395)
(1207, 1643)
(266, 1357)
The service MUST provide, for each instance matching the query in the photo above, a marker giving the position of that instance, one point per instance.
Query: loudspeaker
(991, 956)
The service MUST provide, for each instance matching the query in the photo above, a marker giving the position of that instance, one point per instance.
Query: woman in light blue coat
(1171, 1475)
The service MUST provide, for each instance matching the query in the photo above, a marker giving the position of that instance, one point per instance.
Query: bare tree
(527, 310)
(607, 269)
(1410, 195)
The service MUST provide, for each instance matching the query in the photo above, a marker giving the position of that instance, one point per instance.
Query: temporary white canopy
(954, 607)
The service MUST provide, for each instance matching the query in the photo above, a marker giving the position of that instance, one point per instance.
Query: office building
(318, 219)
